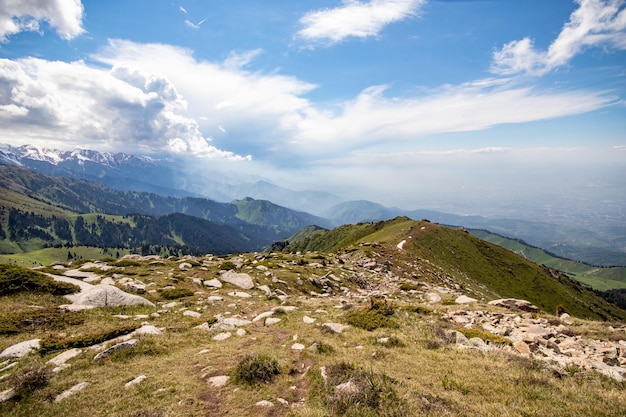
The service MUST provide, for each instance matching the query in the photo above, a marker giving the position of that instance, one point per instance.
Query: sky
(464, 105)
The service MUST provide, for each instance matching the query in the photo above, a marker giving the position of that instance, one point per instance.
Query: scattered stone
(270, 321)
(241, 280)
(308, 320)
(464, 299)
(334, 327)
(135, 286)
(266, 290)
(6, 395)
(135, 381)
(213, 283)
(190, 313)
(566, 318)
(241, 332)
(21, 349)
(515, 304)
(262, 316)
(147, 330)
(64, 357)
(107, 281)
(297, 346)
(218, 381)
(214, 298)
(433, 297)
(120, 346)
(170, 305)
(264, 404)
(222, 336)
(67, 393)
(233, 321)
(284, 309)
(521, 347)
(240, 294)
(185, 266)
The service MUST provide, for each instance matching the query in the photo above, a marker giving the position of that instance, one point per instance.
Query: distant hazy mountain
(160, 176)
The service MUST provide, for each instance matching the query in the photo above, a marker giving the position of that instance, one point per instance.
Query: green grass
(49, 256)
(600, 278)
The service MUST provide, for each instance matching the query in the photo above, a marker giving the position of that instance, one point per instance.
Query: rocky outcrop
(108, 295)
(241, 280)
(19, 350)
(515, 304)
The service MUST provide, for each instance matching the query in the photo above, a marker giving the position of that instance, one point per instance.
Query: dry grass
(417, 374)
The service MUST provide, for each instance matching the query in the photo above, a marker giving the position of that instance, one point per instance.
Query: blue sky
(457, 104)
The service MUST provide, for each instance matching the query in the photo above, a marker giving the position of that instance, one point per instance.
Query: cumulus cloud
(595, 23)
(71, 104)
(355, 18)
(65, 16)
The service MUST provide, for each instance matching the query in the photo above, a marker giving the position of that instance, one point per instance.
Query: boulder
(218, 381)
(120, 346)
(464, 299)
(135, 286)
(147, 330)
(135, 381)
(222, 336)
(108, 295)
(21, 349)
(64, 357)
(241, 280)
(67, 393)
(213, 283)
(270, 321)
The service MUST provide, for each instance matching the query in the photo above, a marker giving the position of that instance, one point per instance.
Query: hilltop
(393, 318)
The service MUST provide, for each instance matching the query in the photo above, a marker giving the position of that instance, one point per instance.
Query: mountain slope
(453, 255)
(40, 211)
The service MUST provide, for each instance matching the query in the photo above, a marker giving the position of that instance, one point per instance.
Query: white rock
(218, 381)
(190, 313)
(67, 393)
(213, 283)
(433, 297)
(241, 332)
(241, 280)
(148, 330)
(19, 350)
(308, 320)
(262, 316)
(64, 357)
(222, 336)
(266, 290)
(265, 404)
(135, 381)
(233, 321)
(185, 266)
(214, 298)
(108, 295)
(240, 294)
(297, 346)
(7, 395)
(270, 321)
(334, 327)
(464, 299)
(120, 346)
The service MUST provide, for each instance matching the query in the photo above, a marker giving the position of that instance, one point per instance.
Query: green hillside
(486, 269)
(599, 278)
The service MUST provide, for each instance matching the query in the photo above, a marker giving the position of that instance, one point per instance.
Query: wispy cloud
(195, 26)
(358, 19)
(182, 9)
(65, 16)
(595, 23)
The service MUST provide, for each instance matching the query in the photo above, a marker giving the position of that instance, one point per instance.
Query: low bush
(351, 391)
(486, 336)
(15, 279)
(255, 368)
(25, 383)
(55, 342)
(39, 319)
(370, 320)
(323, 348)
(175, 293)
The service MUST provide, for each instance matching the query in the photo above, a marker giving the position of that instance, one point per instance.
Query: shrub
(352, 391)
(486, 336)
(323, 348)
(417, 309)
(127, 262)
(254, 369)
(15, 279)
(39, 319)
(25, 383)
(54, 342)
(370, 320)
(227, 266)
(405, 286)
(175, 293)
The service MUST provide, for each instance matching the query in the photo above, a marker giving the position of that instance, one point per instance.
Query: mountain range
(595, 244)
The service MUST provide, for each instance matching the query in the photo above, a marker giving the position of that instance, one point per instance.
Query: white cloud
(355, 18)
(72, 104)
(372, 118)
(65, 16)
(595, 23)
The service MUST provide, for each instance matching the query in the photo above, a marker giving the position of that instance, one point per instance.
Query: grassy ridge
(599, 278)
(488, 268)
